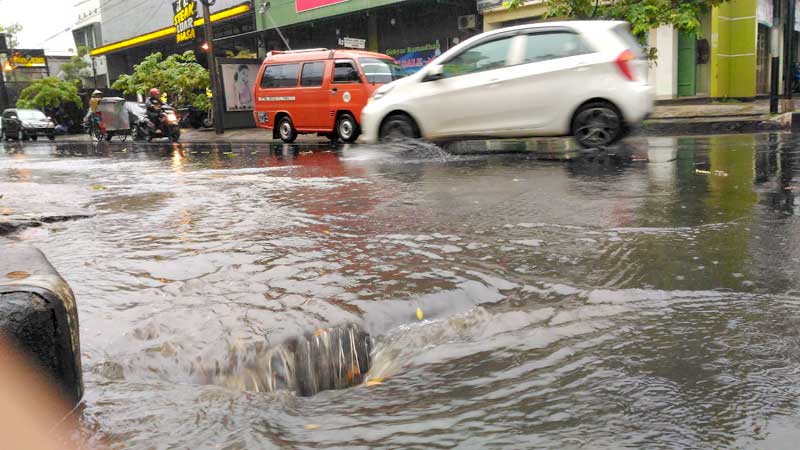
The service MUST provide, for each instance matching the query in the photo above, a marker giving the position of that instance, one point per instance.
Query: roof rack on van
(283, 52)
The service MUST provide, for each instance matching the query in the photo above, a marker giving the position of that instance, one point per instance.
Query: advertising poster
(238, 81)
(29, 58)
(414, 58)
(305, 5)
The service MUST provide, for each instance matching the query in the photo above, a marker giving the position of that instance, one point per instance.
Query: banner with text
(184, 14)
(305, 5)
(415, 57)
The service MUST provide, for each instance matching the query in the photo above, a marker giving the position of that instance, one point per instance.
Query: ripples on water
(615, 300)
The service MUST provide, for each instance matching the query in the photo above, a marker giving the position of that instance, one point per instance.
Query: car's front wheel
(51, 136)
(398, 126)
(347, 128)
(597, 124)
(21, 136)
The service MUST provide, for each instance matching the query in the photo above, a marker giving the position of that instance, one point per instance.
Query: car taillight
(623, 62)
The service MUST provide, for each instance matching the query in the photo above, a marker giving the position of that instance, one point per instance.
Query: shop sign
(185, 11)
(348, 42)
(414, 58)
(764, 12)
(305, 5)
(29, 58)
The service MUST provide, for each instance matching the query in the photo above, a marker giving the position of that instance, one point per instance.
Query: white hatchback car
(587, 79)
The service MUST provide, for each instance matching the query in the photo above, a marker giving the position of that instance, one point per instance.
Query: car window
(553, 45)
(345, 72)
(487, 56)
(31, 114)
(312, 74)
(280, 76)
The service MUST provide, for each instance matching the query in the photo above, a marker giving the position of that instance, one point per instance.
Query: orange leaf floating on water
(326, 232)
(420, 316)
(311, 426)
(374, 382)
(20, 275)
(319, 332)
(6, 211)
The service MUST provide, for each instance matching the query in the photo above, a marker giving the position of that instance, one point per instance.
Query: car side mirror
(435, 72)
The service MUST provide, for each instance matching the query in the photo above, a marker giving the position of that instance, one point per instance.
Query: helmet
(155, 92)
(96, 93)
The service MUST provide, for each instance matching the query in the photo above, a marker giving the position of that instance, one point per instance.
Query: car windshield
(30, 114)
(380, 70)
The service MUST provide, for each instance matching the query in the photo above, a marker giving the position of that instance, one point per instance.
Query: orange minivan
(318, 91)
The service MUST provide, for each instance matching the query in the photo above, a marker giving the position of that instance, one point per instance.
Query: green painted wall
(733, 49)
(283, 12)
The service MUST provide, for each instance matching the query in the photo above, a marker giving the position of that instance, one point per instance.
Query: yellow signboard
(28, 58)
(185, 13)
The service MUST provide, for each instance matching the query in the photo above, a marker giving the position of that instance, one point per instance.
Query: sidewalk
(671, 119)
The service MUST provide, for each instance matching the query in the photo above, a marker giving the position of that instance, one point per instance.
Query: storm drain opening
(327, 359)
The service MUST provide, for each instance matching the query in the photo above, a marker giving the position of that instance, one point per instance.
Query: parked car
(587, 79)
(318, 91)
(24, 124)
(137, 113)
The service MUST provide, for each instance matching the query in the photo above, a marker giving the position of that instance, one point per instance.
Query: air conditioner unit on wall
(469, 22)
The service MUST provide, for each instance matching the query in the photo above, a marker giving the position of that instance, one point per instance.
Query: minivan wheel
(398, 126)
(286, 130)
(347, 128)
(597, 124)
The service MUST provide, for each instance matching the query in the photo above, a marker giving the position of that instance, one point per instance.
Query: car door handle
(334, 91)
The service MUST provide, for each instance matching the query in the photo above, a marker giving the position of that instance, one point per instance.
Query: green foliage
(643, 15)
(11, 32)
(181, 77)
(48, 92)
(77, 68)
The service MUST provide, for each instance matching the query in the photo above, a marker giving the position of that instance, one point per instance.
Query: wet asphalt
(642, 296)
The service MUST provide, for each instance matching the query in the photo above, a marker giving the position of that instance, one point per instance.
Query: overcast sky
(40, 20)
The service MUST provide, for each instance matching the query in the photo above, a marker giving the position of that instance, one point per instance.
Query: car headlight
(382, 91)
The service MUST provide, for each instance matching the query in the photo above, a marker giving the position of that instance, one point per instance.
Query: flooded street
(645, 298)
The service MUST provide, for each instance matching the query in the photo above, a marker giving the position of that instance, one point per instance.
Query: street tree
(181, 77)
(11, 31)
(77, 68)
(49, 93)
(643, 15)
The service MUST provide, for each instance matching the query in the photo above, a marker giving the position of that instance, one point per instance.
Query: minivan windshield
(30, 114)
(380, 70)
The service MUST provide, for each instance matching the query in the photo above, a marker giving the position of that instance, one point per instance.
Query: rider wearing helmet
(154, 105)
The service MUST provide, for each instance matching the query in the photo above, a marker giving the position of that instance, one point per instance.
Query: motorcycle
(166, 126)
(195, 118)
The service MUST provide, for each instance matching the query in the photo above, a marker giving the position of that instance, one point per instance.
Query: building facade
(730, 58)
(87, 32)
(411, 31)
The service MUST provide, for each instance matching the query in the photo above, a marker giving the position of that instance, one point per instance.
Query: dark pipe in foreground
(38, 315)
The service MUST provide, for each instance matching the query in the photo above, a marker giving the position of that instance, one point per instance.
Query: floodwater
(647, 297)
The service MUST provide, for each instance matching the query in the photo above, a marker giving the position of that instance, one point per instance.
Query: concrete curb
(39, 315)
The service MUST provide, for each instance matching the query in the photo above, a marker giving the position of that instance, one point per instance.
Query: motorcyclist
(154, 106)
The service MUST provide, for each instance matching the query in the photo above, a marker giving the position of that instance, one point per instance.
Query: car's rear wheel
(286, 130)
(51, 136)
(597, 124)
(34, 137)
(347, 128)
(21, 136)
(398, 126)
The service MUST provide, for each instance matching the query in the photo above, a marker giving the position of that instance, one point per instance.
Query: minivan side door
(472, 97)
(348, 91)
(313, 96)
(277, 91)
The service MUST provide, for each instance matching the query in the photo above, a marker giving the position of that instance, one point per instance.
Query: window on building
(280, 76)
(312, 74)
(547, 46)
(345, 72)
(486, 56)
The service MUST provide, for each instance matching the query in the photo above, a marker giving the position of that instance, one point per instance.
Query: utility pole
(216, 92)
(94, 73)
(3, 92)
(788, 50)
